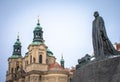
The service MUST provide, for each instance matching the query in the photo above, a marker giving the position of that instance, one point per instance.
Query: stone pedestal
(107, 70)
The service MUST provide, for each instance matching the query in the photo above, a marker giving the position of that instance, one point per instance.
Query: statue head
(96, 14)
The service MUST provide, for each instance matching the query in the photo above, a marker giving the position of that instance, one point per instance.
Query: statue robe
(101, 44)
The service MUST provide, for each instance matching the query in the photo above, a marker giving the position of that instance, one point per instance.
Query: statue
(101, 43)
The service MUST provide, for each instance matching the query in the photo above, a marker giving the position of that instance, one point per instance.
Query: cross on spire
(18, 36)
(38, 21)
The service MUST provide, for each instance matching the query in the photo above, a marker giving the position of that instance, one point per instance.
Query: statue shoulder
(100, 18)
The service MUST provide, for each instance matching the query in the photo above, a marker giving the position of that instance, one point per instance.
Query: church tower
(62, 61)
(38, 33)
(17, 48)
(15, 61)
(36, 57)
(38, 64)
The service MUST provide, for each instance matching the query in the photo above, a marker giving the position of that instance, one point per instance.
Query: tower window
(11, 70)
(40, 77)
(34, 60)
(15, 50)
(40, 58)
(36, 33)
(17, 68)
(18, 49)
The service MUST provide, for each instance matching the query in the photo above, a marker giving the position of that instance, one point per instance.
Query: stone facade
(107, 70)
(38, 65)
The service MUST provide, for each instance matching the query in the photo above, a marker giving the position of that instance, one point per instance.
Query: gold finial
(18, 36)
(62, 56)
(38, 19)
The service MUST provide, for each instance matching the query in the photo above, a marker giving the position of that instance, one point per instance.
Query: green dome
(38, 27)
(17, 42)
(49, 52)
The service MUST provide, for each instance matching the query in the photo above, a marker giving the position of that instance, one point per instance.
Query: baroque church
(38, 65)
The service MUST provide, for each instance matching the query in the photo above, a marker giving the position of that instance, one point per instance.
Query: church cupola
(38, 33)
(62, 61)
(16, 48)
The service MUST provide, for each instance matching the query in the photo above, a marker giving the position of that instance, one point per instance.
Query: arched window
(18, 49)
(15, 50)
(40, 77)
(11, 70)
(36, 35)
(30, 59)
(34, 60)
(17, 68)
(40, 58)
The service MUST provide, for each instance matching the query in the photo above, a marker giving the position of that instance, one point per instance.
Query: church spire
(38, 21)
(38, 33)
(62, 61)
(18, 37)
(16, 48)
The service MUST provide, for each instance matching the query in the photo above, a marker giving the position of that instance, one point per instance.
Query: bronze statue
(101, 43)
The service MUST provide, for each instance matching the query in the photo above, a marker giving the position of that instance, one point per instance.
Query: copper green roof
(50, 53)
(62, 60)
(17, 42)
(38, 27)
(36, 43)
(15, 56)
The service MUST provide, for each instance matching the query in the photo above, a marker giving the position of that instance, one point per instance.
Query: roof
(62, 60)
(50, 53)
(17, 43)
(36, 43)
(15, 56)
(38, 27)
(55, 66)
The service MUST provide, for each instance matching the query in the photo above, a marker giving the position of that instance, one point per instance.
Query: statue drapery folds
(101, 43)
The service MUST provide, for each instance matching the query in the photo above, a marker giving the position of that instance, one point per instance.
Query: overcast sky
(67, 26)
